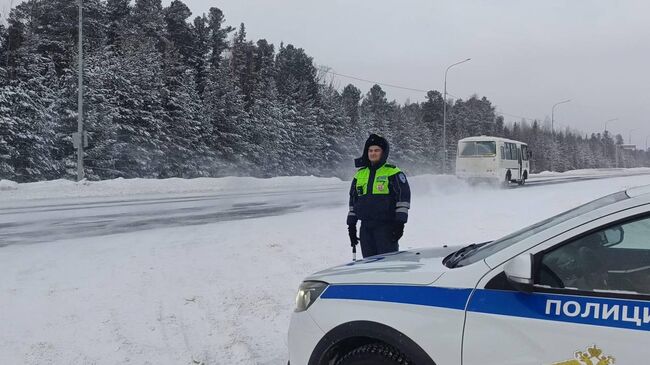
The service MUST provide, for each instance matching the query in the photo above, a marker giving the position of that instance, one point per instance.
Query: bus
(493, 159)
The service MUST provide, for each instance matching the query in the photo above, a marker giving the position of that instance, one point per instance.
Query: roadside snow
(594, 172)
(222, 293)
(56, 189)
(6, 185)
(119, 188)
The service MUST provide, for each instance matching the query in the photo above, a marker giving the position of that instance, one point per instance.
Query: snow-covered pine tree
(201, 36)
(25, 121)
(230, 123)
(295, 76)
(181, 125)
(376, 111)
(117, 17)
(431, 128)
(218, 42)
(350, 99)
(179, 33)
(336, 144)
(242, 63)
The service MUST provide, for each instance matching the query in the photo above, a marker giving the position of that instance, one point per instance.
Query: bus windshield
(480, 148)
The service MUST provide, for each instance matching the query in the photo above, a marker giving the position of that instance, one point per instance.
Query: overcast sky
(526, 55)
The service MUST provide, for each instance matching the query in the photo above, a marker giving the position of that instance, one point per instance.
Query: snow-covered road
(28, 221)
(214, 293)
(38, 222)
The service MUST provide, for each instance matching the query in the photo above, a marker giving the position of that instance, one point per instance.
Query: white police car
(573, 289)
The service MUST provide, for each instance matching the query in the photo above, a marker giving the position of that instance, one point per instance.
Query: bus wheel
(523, 179)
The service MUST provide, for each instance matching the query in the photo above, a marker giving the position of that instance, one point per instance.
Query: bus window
(524, 152)
(515, 152)
(487, 148)
(503, 153)
(511, 152)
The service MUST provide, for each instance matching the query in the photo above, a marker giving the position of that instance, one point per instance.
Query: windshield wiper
(452, 259)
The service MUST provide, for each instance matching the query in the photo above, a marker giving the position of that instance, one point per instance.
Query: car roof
(638, 191)
(637, 196)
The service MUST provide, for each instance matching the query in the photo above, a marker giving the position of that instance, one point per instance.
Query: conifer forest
(172, 94)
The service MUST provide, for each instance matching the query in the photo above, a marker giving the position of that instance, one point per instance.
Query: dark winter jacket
(378, 193)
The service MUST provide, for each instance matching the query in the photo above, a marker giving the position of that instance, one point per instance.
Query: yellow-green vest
(380, 185)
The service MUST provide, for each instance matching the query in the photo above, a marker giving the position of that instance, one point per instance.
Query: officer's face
(374, 154)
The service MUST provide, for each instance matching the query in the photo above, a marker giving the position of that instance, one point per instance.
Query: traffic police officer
(380, 197)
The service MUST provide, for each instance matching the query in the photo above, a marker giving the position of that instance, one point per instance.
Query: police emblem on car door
(592, 356)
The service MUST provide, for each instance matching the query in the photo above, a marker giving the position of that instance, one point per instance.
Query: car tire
(374, 354)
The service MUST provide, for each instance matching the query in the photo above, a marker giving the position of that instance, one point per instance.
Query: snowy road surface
(29, 221)
(208, 290)
(60, 220)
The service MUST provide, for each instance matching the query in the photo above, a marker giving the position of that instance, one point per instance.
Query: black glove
(398, 231)
(352, 232)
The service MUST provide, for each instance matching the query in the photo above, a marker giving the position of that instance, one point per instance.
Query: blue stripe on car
(629, 314)
(419, 295)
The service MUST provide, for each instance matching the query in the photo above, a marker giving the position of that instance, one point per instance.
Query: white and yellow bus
(493, 159)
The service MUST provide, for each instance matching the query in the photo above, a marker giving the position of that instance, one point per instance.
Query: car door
(589, 305)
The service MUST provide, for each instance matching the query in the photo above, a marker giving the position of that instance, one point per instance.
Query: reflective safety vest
(380, 185)
(379, 195)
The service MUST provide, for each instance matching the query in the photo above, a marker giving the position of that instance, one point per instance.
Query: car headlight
(308, 292)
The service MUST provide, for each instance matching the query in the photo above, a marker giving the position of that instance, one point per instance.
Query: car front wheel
(374, 354)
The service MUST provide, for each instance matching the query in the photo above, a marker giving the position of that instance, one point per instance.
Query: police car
(573, 289)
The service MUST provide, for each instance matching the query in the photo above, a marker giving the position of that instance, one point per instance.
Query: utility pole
(609, 120)
(80, 140)
(553, 114)
(444, 119)
(553, 127)
(605, 135)
(629, 136)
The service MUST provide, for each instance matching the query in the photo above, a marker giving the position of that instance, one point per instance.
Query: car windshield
(507, 241)
(480, 148)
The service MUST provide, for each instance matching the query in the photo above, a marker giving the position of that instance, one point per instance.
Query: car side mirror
(614, 236)
(519, 272)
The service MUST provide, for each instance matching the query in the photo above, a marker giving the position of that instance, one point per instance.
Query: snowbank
(594, 172)
(58, 189)
(6, 185)
(129, 187)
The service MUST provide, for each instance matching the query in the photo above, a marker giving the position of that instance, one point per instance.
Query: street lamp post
(629, 135)
(553, 125)
(605, 134)
(444, 118)
(646, 142)
(553, 114)
(609, 120)
(80, 123)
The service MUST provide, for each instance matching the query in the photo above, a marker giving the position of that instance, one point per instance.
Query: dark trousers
(377, 238)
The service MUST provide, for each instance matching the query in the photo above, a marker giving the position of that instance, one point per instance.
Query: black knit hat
(373, 140)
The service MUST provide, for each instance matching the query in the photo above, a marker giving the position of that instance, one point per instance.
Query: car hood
(414, 267)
